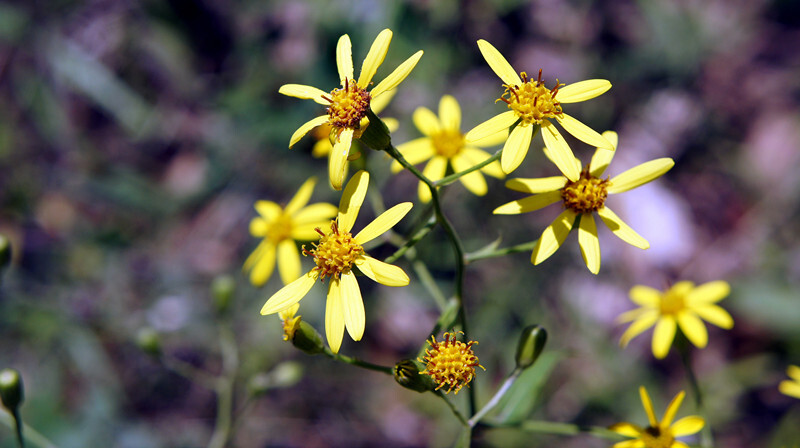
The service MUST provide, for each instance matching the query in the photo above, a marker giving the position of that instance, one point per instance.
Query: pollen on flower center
(448, 143)
(586, 195)
(655, 438)
(280, 229)
(532, 101)
(335, 253)
(671, 303)
(450, 363)
(349, 104)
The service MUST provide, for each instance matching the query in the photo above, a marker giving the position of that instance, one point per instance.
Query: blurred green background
(135, 137)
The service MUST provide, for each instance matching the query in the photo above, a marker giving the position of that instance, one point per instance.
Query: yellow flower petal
(663, 336)
(560, 152)
(688, 426)
(426, 121)
(622, 230)
(416, 151)
(538, 185)
(383, 273)
(498, 63)
(492, 126)
(491, 139)
(476, 156)
(710, 292)
(626, 429)
(793, 372)
(583, 133)
(590, 245)
(377, 52)
(304, 92)
(344, 58)
(789, 388)
(391, 123)
(259, 226)
(672, 409)
(337, 160)
(307, 232)
(262, 260)
(288, 261)
(307, 126)
(302, 196)
(528, 204)
(334, 316)
(288, 313)
(352, 198)
(693, 328)
(679, 444)
(352, 306)
(268, 210)
(631, 315)
(290, 294)
(314, 213)
(516, 148)
(583, 90)
(383, 223)
(434, 171)
(638, 443)
(640, 175)
(648, 407)
(553, 237)
(642, 323)
(474, 181)
(645, 296)
(321, 148)
(450, 113)
(398, 75)
(602, 158)
(715, 315)
(379, 103)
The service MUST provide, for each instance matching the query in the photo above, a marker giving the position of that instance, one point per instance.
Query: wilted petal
(450, 113)
(382, 223)
(528, 204)
(426, 121)
(693, 328)
(352, 198)
(553, 237)
(663, 336)
(334, 316)
(352, 306)
(583, 90)
(288, 261)
(622, 230)
(290, 294)
(492, 126)
(583, 133)
(499, 64)
(344, 58)
(589, 243)
(398, 75)
(377, 52)
(383, 273)
(304, 92)
(688, 426)
(307, 126)
(516, 148)
(560, 152)
(640, 175)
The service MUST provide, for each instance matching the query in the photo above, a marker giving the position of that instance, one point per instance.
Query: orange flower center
(448, 143)
(585, 195)
(280, 229)
(655, 438)
(671, 303)
(335, 253)
(349, 104)
(451, 363)
(532, 101)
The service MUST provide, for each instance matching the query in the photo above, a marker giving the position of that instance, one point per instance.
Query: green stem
(496, 398)
(18, 425)
(453, 408)
(419, 235)
(706, 436)
(447, 180)
(225, 387)
(566, 429)
(28, 434)
(357, 362)
(480, 255)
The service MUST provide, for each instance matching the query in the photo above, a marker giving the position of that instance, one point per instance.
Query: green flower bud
(530, 346)
(5, 252)
(286, 374)
(11, 390)
(149, 341)
(222, 289)
(307, 338)
(376, 135)
(406, 373)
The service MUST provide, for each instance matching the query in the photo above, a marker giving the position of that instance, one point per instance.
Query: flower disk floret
(659, 434)
(450, 363)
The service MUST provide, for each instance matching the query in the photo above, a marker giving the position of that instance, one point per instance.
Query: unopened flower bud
(222, 289)
(307, 338)
(530, 346)
(11, 390)
(149, 341)
(406, 373)
(376, 136)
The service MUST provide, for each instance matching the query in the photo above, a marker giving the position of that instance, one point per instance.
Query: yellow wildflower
(581, 199)
(681, 305)
(280, 228)
(347, 105)
(337, 252)
(791, 387)
(659, 434)
(450, 363)
(444, 144)
(532, 103)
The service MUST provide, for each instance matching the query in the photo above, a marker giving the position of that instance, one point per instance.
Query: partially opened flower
(444, 145)
(683, 305)
(280, 228)
(791, 387)
(532, 104)
(582, 199)
(335, 255)
(347, 105)
(659, 434)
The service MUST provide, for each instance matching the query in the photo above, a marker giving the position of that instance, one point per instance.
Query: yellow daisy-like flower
(450, 363)
(682, 305)
(659, 434)
(347, 105)
(280, 228)
(444, 143)
(335, 255)
(791, 387)
(582, 198)
(531, 103)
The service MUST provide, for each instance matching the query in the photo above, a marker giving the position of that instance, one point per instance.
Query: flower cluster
(450, 363)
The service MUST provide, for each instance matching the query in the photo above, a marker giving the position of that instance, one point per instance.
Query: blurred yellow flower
(532, 103)
(659, 434)
(444, 144)
(581, 199)
(681, 305)
(791, 387)
(280, 228)
(337, 252)
(450, 363)
(348, 105)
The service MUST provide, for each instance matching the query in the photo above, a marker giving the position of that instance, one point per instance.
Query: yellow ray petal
(560, 152)
(648, 407)
(377, 52)
(304, 92)
(622, 230)
(589, 243)
(693, 328)
(474, 181)
(268, 210)
(315, 213)
(789, 388)
(416, 151)
(553, 237)
(601, 157)
(307, 126)
(538, 185)
(715, 315)
(637, 443)
(321, 148)
(640, 175)
(688, 426)
(383, 223)
(434, 171)
(288, 261)
(492, 139)
(711, 292)
(642, 323)
(262, 260)
(290, 294)
(352, 306)
(645, 296)
(344, 58)
(398, 75)
(308, 232)
(476, 156)
(528, 204)
(663, 336)
(383, 273)
(499, 64)
(450, 113)
(379, 103)
(516, 148)
(492, 126)
(426, 121)
(583, 133)
(672, 409)
(302, 196)
(334, 316)
(259, 227)
(583, 90)
(631, 315)
(337, 160)
(627, 429)
(352, 198)
(793, 372)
